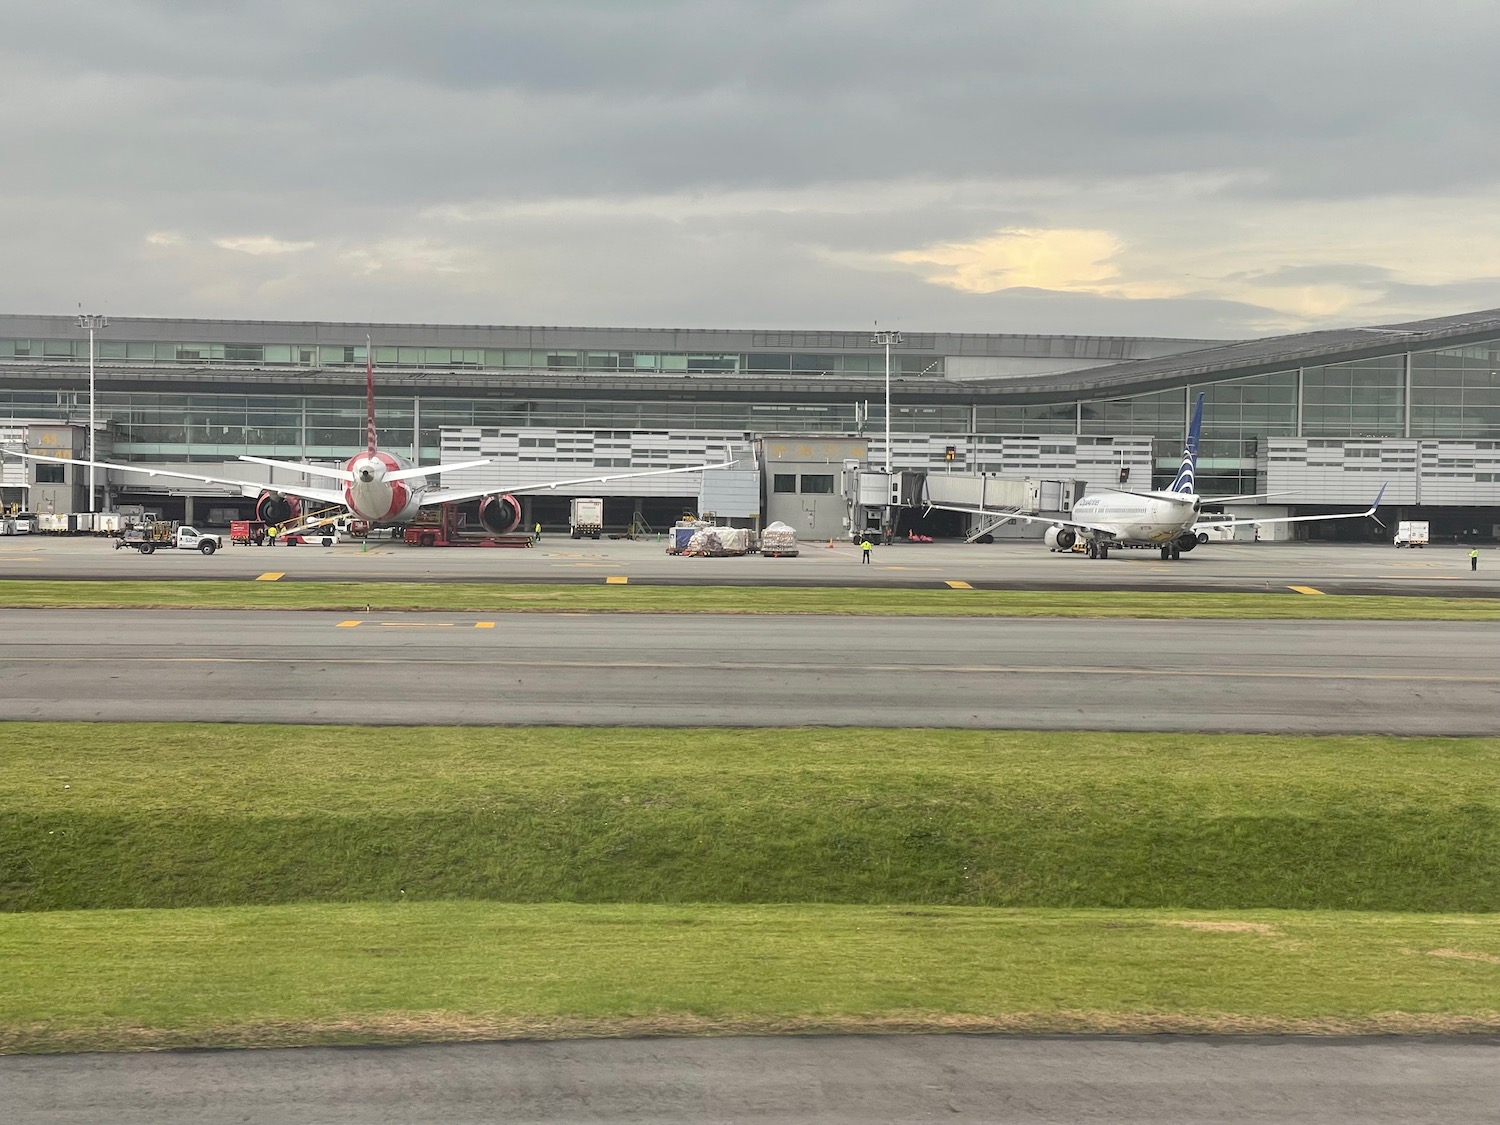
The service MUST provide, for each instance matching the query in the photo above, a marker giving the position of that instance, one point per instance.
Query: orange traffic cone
(830, 542)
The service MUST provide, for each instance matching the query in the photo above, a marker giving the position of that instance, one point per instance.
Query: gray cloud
(352, 126)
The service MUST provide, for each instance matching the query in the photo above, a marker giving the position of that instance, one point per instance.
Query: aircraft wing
(1243, 520)
(1000, 514)
(246, 487)
(452, 495)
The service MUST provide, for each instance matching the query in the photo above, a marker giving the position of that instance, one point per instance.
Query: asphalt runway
(1413, 677)
(832, 1080)
(1332, 568)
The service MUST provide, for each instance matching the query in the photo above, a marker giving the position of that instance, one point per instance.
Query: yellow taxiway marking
(956, 585)
(484, 624)
(1304, 589)
(347, 625)
(271, 576)
(616, 580)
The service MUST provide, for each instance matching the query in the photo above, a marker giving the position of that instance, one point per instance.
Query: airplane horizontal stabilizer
(417, 472)
(336, 472)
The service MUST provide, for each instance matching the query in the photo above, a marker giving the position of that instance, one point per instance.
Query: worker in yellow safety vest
(864, 546)
(271, 536)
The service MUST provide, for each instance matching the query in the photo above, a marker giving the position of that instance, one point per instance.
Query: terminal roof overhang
(1202, 365)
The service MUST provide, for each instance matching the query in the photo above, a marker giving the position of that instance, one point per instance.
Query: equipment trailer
(447, 530)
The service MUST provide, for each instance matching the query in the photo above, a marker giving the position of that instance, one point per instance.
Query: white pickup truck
(149, 538)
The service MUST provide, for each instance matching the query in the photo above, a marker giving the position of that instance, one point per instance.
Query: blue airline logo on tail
(1184, 481)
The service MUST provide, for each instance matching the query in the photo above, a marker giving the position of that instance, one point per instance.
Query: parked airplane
(373, 484)
(1168, 520)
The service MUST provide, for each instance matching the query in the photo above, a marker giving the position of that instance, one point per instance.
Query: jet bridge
(874, 496)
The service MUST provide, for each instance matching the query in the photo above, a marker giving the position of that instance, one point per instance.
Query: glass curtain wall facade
(1447, 393)
(803, 364)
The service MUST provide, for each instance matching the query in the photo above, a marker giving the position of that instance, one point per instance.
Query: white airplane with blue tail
(1168, 519)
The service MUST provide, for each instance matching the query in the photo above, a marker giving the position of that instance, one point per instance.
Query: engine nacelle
(1060, 538)
(500, 513)
(273, 507)
(1187, 541)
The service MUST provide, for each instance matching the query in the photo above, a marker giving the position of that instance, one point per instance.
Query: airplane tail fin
(369, 397)
(1185, 474)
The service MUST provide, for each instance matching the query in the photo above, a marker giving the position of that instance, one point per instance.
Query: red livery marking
(399, 497)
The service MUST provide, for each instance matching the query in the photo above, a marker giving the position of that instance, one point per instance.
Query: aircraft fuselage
(371, 496)
(1133, 518)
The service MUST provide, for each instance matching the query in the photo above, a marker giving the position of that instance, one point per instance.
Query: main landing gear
(1172, 552)
(1096, 549)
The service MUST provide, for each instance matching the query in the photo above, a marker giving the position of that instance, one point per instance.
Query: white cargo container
(588, 516)
(1411, 533)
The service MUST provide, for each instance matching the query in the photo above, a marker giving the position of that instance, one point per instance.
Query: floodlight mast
(887, 338)
(91, 322)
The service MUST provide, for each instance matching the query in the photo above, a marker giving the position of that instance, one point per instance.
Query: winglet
(1375, 506)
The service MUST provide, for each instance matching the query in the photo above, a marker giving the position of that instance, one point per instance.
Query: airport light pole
(887, 338)
(91, 322)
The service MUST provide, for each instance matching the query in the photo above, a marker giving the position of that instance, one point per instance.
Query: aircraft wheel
(1103, 551)
(1166, 553)
(1089, 549)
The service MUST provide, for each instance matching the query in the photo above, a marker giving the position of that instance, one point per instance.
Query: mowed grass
(178, 815)
(284, 975)
(543, 598)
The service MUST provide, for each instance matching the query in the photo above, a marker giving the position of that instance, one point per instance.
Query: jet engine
(273, 507)
(1186, 541)
(1060, 538)
(500, 512)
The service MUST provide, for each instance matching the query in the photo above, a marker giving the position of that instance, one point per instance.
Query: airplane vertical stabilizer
(369, 397)
(1185, 474)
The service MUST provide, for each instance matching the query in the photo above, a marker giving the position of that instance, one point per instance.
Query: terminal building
(1318, 421)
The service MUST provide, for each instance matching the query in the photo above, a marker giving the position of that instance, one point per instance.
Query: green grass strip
(272, 976)
(172, 815)
(481, 597)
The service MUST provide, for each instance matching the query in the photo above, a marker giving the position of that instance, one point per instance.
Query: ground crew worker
(539, 531)
(1474, 558)
(271, 536)
(864, 546)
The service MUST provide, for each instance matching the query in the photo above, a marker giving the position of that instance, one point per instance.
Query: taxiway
(1294, 677)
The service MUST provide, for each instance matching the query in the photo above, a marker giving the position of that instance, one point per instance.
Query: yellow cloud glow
(1063, 259)
(261, 245)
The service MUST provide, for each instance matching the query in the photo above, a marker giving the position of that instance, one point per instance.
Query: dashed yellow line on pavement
(1304, 589)
(347, 625)
(955, 584)
(484, 624)
(616, 580)
(272, 576)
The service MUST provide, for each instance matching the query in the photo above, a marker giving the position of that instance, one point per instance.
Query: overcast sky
(1214, 168)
